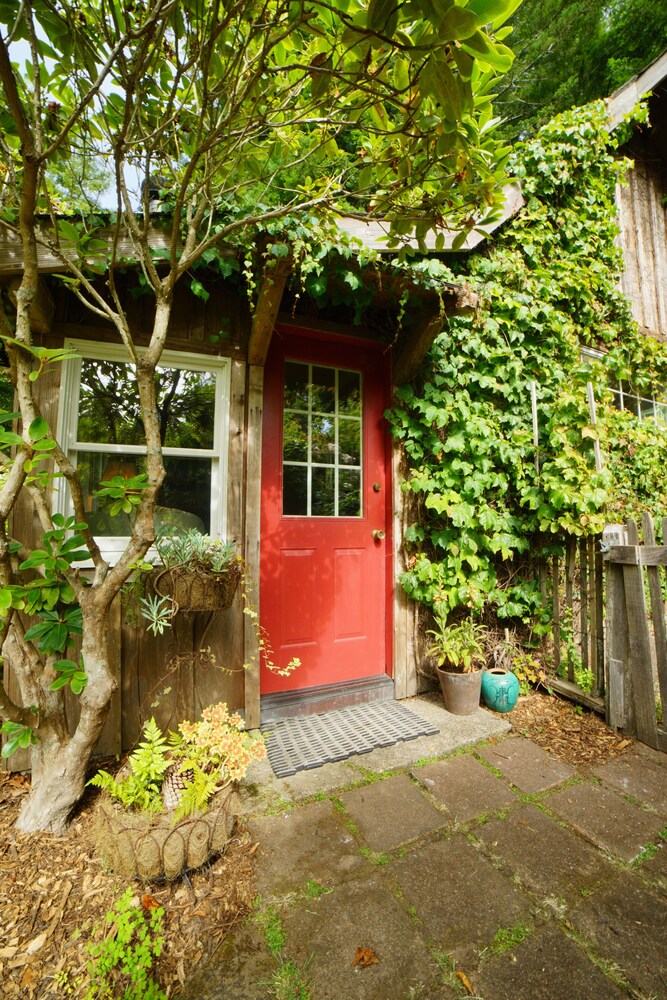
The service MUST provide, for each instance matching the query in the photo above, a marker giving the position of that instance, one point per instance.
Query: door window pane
(322, 441)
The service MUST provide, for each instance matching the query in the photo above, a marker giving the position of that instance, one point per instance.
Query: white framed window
(627, 397)
(100, 428)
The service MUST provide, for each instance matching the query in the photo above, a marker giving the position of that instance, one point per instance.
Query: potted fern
(174, 803)
(459, 652)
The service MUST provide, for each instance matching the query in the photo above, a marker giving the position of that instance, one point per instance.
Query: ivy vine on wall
(485, 501)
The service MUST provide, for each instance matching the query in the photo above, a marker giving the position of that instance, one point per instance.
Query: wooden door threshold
(326, 698)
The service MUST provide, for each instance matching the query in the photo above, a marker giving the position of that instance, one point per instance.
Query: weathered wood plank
(555, 608)
(657, 610)
(575, 693)
(570, 567)
(269, 298)
(42, 307)
(253, 486)
(639, 641)
(584, 611)
(599, 616)
(633, 555)
(617, 694)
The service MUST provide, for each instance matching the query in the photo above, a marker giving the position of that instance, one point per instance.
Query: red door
(323, 582)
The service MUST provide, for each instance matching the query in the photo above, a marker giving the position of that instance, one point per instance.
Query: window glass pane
(186, 404)
(109, 404)
(295, 437)
(296, 386)
(646, 409)
(324, 390)
(184, 500)
(295, 490)
(322, 432)
(661, 413)
(349, 393)
(349, 493)
(185, 497)
(109, 411)
(631, 404)
(349, 442)
(324, 496)
(323, 440)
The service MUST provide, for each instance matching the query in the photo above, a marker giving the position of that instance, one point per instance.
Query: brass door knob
(377, 534)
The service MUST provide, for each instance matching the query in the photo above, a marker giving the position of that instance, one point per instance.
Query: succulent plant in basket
(195, 572)
(174, 803)
(459, 650)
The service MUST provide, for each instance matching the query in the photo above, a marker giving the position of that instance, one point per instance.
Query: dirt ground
(54, 892)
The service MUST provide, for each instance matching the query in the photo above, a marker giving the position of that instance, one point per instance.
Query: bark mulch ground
(54, 891)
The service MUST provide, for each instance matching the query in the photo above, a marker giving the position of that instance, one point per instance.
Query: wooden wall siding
(643, 222)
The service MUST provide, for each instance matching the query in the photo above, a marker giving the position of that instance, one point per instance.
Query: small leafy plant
(121, 962)
(459, 647)
(195, 549)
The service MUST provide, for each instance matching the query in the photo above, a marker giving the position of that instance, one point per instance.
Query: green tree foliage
(486, 501)
(570, 52)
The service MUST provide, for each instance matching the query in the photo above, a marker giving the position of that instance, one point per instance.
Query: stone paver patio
(498, 870)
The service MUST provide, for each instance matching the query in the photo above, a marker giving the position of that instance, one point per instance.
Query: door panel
(323, 588)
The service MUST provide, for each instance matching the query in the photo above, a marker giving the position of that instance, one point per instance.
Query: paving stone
(323, 936)
(527, 837)
(656, 867)
(458, 895)
(391, 812)
(606, 818)
(526, 765)
(464, 786)
(239, 970)
(545, 966)
(638, 775)
(310, 842)
(626, 922)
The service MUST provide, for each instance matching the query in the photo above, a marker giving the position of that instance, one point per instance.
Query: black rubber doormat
(312, 740)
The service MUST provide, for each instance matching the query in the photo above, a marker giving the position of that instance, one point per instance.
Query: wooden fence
(577, 597)
(636, 636)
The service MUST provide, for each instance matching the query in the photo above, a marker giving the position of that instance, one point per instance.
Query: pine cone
(173, 783)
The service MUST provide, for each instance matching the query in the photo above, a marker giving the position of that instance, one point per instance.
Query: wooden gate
(636, 639)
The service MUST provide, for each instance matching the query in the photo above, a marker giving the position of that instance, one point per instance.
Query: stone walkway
(493, 871)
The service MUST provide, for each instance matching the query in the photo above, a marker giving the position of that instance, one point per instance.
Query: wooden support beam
(270, 296)
(42, 308)
(253, 474)
(429, 325)
(637, 555)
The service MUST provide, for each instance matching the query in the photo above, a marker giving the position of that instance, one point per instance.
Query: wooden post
(570, 566)
(619, 705)
(536, 430)
(556, 611)
(252, 537)
(599, 618)
(583, 589)
(269, 298)
(639, 641)
(657, 610)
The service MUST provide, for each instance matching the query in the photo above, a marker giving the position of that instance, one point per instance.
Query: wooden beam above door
(269, 298)
(430, 322)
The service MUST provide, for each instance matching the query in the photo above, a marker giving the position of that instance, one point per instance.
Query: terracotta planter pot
(460, 691)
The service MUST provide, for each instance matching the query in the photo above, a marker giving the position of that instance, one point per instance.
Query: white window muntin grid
(68, 410)
(309, 413)
(642, 407)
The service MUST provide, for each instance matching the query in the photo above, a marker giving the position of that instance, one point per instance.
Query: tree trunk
(58, 779)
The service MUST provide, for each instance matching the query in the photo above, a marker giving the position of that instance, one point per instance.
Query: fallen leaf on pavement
(365, 957)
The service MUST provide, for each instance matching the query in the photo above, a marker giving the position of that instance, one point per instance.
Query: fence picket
(641, 674)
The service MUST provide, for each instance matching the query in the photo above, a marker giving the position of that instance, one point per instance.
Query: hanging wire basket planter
(193, 588)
